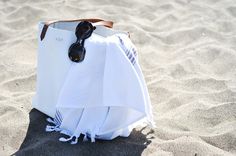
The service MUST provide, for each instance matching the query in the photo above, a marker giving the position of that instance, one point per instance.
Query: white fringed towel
(104, 96)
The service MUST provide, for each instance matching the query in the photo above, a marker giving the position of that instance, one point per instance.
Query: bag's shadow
(39, 142)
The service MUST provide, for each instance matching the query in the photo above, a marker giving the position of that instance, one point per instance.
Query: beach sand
(187, 51)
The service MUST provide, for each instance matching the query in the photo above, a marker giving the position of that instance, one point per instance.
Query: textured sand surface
(187, 51)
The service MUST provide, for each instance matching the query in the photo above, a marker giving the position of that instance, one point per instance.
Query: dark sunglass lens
(76, 52)
(84, 30)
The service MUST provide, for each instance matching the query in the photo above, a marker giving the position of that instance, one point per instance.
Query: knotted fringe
(92, 134)
(51, 121)
(85, 138)
(55, 127)
(62, 139)
(75, 141)
(52, 128)
(92, 137)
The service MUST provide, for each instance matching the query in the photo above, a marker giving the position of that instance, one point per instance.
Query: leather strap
(108, 24)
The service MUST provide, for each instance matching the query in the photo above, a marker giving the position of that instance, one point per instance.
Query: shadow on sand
(38, 142)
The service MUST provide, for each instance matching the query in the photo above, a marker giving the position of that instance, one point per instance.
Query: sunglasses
(77, 51)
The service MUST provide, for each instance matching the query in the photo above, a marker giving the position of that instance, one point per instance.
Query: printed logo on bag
(59, 39)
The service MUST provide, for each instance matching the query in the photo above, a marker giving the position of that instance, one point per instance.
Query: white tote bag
(104, 96)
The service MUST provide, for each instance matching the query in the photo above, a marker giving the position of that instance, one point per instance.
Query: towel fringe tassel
(51, 121)
(85, 138)
(62, 139)
(50, 128)
(92, 137)
(75, 141)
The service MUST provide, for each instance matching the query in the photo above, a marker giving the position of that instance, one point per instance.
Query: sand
(187, 53)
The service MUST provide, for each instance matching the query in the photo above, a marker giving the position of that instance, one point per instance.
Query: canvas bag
(63, 86)
(52, 63)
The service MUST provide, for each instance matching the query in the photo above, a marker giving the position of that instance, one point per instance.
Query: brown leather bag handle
(96, 21)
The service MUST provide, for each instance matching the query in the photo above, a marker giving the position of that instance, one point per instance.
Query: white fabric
(103, 97)
(53, 62)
